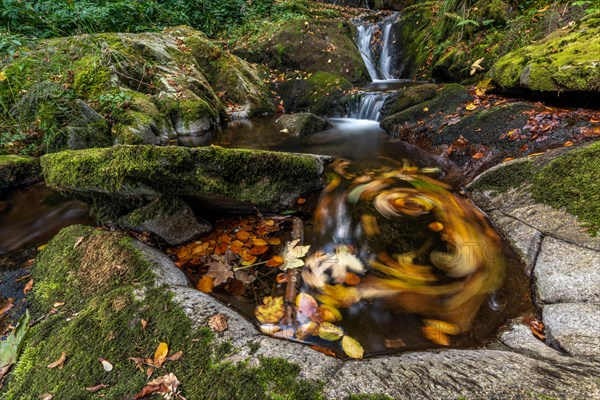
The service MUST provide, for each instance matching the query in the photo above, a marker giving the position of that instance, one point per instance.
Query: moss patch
(572, 181)
(261, 177)
(106, 323)
(17, 170)
(508, 176)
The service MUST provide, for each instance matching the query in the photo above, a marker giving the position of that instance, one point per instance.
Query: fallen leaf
(436, 226)
(96, 388)
(568, 144)
(218, 323)
(166, 385)
(293, 254)
(478, 156)
(259, 250)
(28, 287)
(106, 364)
(306, 307)
(219, 271)
(274, 241)
(275, 261)
(345, 262)
(271, 311)
(434, 335)
(46, 396)
(58, 363)
(205, 284)
(352, 348)
(242, 235)
(58, 304)
(329, 331)
(476, 66)
(394, 343)
(351, 279)
(144, 324)
(176, 356)
(78, 241)
(323, 350)
(244, 276)
(301, 201)
(471, 107)
(160, 355)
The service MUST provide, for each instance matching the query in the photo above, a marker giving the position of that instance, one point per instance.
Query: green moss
(260, 177)
(105, 322)
(572, 181)
(322, 93)
(16, 170)
(562, 61)
(91, 78)
(508, 176)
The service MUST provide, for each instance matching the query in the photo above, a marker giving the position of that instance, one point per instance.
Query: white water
(374, 43)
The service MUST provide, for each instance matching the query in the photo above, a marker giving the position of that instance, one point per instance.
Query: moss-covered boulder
(109, 284)
(321, 93)
(121, 178)
(407, 97)
(566, 60)
(301, 124)
(309, 45)
(171, 219)
(18, 170)
(95, 90)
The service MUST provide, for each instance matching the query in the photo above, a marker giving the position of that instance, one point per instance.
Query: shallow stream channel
(390, 256)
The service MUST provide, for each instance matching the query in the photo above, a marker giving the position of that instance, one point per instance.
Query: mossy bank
(18, 170)
(108, 288)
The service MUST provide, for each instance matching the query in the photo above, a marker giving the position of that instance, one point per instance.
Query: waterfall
(369, 106)
(374, 40)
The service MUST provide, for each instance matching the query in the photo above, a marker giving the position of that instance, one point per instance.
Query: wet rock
(302, 124)
(18, 170)
(574, 327)
(171, 219)
(566, 60)
(322, 93)
(311, 45)
(121, 176)
(408, 97)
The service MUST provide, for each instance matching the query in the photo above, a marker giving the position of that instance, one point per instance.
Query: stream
(381, 211)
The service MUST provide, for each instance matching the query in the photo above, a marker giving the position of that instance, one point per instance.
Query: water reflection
(33, 215)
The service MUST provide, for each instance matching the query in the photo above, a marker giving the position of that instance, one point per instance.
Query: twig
(291, 289)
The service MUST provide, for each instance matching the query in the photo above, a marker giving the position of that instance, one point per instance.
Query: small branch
(291, 290)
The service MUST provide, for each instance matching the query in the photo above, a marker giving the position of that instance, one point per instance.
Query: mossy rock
(408, 97)
(109, 284)
(169, 218)
(312, 45)
(566, 60)
(145, 88)
(18, 170)
(126, 174)
(302, 124)
(321, 93)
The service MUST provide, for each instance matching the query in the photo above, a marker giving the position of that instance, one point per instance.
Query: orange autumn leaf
(221, 248)
(281, 277)
(352, 279)
(28, 287)
(568, 144)
(236, 247)
(436, 226)
(323, 350)
(258, 250)
(205, 284)
(436, 336)
(225, 239)
(242, 235)
(301, 200)
(269, 222)
(274, 241)
(275, 261)
(259, 242)
(478, 156)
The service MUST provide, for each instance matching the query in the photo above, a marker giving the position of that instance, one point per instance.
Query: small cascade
(374, 40)
(369, 106)
(374, 43)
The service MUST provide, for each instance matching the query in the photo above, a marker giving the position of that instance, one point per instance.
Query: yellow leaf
(293, 254)
(3, 76)
(352, 348)
(271, 311)
(471, 107)
(160, 355)
(329, 331)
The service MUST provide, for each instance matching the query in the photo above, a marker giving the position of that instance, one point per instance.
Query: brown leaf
(144, 324)
(165, 385)
(218, 323)
(78, 241)
(244, 276)
(28, 287)
(258, 250)
(160, 355)
(58, 363)
(220, 272)
(175, 356)
(323, 350)
(96, 388)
